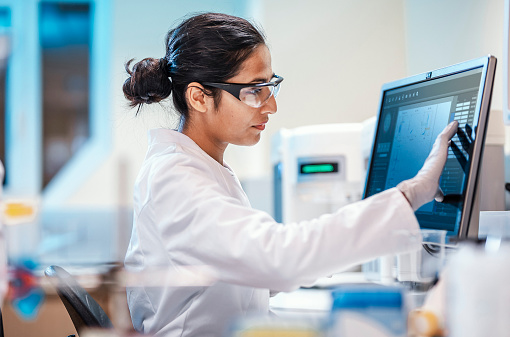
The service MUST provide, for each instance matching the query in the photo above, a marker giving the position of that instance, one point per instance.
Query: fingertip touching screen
(412, 112)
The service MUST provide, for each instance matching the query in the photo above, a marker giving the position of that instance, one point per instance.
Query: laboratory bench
(315, 300)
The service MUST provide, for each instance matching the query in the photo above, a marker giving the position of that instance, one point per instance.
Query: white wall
(440, 33)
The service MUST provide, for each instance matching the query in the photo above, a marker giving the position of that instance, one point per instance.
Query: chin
(248, 142)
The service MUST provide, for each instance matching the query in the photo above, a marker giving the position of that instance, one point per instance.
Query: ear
(196, 97)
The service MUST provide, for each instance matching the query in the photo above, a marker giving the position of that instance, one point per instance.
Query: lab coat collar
(162, 135)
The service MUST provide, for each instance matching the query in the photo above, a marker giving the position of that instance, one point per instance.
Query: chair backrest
(1, 324)
(82, 308)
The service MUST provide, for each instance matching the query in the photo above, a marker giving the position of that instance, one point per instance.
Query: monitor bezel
(488, 65)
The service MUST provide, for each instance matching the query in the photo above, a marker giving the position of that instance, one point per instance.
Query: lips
(260, 127)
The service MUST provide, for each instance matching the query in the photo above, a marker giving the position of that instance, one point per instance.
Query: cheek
(235, 120)
(237, 116)
(230, 122)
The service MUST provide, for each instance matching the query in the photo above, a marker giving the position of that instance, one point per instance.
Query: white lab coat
(190, 210)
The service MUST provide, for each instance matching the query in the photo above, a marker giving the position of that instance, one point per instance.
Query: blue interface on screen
(410, 119)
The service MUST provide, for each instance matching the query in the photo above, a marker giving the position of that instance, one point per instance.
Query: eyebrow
(262, 80)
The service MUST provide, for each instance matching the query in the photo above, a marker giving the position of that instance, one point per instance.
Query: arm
(202, 224)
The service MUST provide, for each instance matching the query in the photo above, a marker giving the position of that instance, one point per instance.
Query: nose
(270, 107)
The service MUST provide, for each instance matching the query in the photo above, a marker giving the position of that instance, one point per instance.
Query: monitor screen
(413, 111)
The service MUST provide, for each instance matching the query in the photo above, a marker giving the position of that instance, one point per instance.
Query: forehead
(256, 67)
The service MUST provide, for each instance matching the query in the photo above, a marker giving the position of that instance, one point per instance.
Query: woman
(191, 210)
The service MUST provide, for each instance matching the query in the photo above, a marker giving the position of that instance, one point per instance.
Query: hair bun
(165, 66)
(148, 83)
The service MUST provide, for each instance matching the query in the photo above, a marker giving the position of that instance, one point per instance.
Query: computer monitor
(412, 112)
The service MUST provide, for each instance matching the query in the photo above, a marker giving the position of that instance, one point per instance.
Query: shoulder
(175, 157)
(179, 164)
(176, 167)
(172, 152)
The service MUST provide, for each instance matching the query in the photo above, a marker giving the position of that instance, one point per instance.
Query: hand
(462, 153)
(424, 187)
(466, 142)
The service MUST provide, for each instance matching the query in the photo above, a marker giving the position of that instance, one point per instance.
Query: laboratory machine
(317, 169)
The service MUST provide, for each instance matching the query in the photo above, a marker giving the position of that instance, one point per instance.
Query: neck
(214, 149)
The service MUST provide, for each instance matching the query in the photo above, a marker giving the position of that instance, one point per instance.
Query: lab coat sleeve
(200, 223)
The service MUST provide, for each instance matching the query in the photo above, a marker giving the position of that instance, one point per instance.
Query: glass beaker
(423, 266)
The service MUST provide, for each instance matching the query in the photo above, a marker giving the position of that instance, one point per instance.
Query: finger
(469, 132)
(442, 141)
(464, 141)
(451, 130)
(459, 155)
(452, 198)
(439, 197)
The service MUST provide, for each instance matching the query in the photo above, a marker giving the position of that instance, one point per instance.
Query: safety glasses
(254, 95)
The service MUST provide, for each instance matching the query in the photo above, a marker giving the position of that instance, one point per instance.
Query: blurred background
(70, 142)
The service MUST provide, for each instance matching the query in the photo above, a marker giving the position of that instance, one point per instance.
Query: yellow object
(18, 210)
(424, 323)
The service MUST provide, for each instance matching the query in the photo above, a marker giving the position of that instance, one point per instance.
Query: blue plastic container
(368, 310)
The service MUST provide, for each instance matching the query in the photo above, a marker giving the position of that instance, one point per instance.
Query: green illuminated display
(318, 168)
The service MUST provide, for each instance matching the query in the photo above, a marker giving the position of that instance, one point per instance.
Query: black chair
(1, 324)
(84, 311)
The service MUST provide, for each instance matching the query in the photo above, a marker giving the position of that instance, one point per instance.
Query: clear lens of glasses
(258, 96)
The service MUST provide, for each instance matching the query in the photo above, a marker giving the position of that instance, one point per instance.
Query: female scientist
(190, 209)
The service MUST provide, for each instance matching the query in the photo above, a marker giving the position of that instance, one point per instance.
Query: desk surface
(316, 299)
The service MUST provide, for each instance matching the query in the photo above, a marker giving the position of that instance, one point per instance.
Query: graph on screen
(417, 127)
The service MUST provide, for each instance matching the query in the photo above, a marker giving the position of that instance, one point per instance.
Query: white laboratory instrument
(476, 290)
(367, 140)
(317, 169)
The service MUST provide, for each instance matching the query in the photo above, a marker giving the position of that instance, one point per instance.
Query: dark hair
(207, 47)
